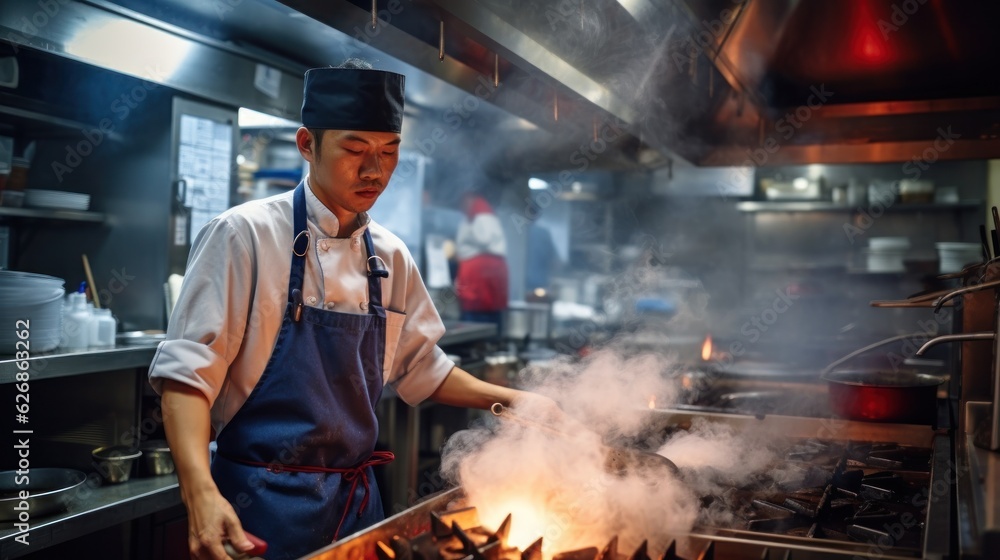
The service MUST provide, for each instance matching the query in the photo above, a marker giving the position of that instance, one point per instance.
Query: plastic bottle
(77, 321)
(102, 332)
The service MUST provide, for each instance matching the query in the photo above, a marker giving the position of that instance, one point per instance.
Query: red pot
(905, 397)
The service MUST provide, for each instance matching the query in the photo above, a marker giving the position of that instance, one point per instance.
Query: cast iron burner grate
(858, 492)
(457, 535)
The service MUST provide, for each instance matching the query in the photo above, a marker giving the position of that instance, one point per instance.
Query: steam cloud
(558, 486)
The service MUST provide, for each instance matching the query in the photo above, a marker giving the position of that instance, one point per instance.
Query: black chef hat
(353, 99)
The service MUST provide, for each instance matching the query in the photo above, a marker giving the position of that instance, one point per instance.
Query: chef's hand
(212, 522)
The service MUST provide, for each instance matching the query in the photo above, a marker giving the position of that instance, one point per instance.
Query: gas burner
(823, 500)
(458, 535)
(850, 492)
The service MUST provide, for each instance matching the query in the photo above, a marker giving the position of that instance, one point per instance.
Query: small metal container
(115, 462)
(156, 458)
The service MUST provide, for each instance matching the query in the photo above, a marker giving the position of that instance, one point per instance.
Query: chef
(294, 312)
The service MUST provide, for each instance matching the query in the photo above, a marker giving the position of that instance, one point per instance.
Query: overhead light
(130, 47)
(248, 118)
(537, 184)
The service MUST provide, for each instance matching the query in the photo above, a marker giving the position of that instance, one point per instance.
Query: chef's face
(350, 168)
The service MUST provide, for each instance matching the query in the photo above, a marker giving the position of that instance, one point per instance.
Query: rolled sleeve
(424, 378)
(190, 363)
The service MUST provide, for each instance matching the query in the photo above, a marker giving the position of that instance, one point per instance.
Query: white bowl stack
(885, 254)
(954, 255)
(35, 298)
(58, 200)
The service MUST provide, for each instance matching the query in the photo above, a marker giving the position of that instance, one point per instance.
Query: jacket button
(311, 300)
(364, 305)
(330, 304)
(323, 246)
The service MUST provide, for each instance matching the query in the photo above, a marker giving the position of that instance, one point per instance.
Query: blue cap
(353, 99)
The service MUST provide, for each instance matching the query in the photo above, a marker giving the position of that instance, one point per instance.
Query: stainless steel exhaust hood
(713, 82)
(726, 82)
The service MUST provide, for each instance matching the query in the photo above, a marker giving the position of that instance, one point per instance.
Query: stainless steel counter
(977, 477)
(62, 364)
(93, 508)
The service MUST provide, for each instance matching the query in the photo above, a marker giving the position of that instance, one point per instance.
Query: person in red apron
(295, 441)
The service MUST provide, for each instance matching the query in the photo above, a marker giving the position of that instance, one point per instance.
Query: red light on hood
(870, 42)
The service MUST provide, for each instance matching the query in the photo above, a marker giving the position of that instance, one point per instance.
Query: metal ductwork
(714, 82)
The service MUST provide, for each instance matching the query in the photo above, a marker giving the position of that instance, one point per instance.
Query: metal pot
(157, 458)
(114, 462)
(502, 368)
(904, 397)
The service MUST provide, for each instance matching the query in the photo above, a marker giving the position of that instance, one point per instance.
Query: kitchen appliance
(853, 490)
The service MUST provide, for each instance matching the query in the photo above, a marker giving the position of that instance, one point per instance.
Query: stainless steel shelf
(38, 120)
(91, 509)
(820, 206)
(52, 214)
(55, 364)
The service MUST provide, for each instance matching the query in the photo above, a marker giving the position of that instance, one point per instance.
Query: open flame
(706, 348)
(528, 520)
(652, 402)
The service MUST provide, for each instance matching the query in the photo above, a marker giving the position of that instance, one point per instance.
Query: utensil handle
(90, 282)
(259, 547)
(501, 411)
(985, 242)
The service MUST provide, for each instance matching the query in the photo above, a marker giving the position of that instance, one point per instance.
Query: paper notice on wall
(438, 273)
(205, 164)
(267, 80)
(180, 230)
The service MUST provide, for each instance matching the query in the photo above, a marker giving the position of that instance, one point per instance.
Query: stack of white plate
(954, 255)
(885, 254)
(56, 199)
(30, 303)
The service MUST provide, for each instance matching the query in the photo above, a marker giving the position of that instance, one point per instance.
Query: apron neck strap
(376, 272)
(300, 242)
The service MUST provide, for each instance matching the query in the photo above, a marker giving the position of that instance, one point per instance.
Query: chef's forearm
(187, 421)
(461, 388)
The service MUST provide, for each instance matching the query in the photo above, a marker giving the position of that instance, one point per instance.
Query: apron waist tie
(354, 474)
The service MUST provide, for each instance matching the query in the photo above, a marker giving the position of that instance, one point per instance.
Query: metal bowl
(156, 458)
(115, 462)
(49, 489)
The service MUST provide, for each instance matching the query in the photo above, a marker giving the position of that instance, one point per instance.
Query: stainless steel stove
(845, 490)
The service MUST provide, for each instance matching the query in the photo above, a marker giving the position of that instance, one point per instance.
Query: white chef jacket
(226, 320)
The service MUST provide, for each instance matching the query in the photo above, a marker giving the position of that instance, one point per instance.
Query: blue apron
(296, 460)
